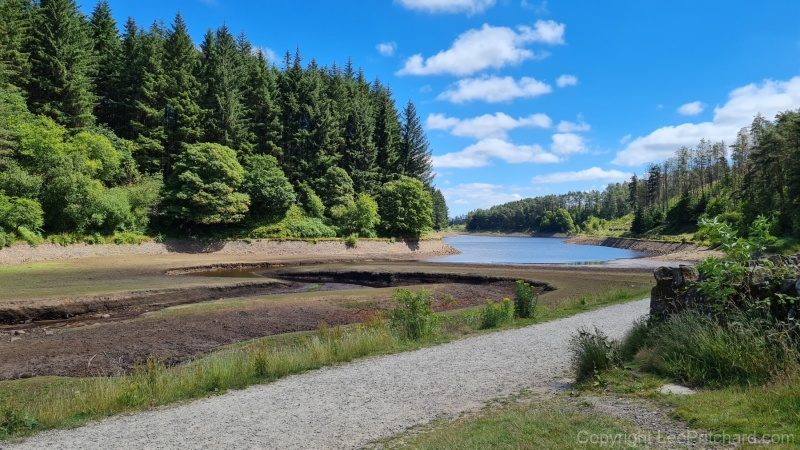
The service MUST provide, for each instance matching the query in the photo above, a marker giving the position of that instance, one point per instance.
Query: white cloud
(479, 195)
(480, 154)
(566, 80)
(486, 47)
(487, 125)
(567, 143)
(267, 52)
(625, 139)
(768, 98)
(386, 48)
(659, 106)
(494, 89)
(691, 109)
(448, 6)
(426, 88)
(571, 127)
(595, 173)
(537, 9)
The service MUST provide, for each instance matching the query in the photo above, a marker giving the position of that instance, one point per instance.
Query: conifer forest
(110, 128)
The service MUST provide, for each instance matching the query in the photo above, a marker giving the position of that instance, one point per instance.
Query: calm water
(523, 250)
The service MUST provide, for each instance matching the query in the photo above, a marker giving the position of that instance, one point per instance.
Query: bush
(525, 300)
(592, 354)
(413, 316)
(4, 239)
(351, 241)
(270, 231)
(701, 351)
(497, 314)
(32, 238)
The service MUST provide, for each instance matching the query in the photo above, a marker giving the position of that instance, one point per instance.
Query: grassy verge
(529, 424)
(29, 406)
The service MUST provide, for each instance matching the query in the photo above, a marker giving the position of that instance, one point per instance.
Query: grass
(552, 424)
(29, 406)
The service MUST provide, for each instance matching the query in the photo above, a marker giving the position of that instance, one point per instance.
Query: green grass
(551, 424)
(50, 402)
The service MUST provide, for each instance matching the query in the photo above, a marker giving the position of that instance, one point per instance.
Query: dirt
(110, 346)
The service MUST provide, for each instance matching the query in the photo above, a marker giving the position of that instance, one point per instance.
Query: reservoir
(526, 250)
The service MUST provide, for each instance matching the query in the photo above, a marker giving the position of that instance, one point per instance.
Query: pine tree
(15, 21)
(360, 152)
(259, 98)
(108, 51)
(387, 135)
(147, 100)
(182, 89)
(223, 78)
(415, 154)
(61, 64)
(440, 213)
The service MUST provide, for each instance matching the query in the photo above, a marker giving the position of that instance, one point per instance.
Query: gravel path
(351, 405)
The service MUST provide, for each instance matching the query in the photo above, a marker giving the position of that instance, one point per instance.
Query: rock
(15, 339)
(48, 333)
(676, 389)
(18, 333)
(28, 321)
(105, 316)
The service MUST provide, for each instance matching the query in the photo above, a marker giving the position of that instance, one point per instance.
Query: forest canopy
(141, 129)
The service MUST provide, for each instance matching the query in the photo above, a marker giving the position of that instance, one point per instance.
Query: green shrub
(4, 240)
(351, 241)
(413, 318)
(497, 314)
(32, 238)
(592, 354)
(13, 421)
(270, 231)
(525, 300)
(701, 351)
(128, 238)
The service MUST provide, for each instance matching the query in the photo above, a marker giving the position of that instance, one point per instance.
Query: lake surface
(525, 250)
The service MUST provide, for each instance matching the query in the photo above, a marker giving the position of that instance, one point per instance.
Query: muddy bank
(639, 245)
(393, 279)
(23, 253)
(112, 347)
(26, 311)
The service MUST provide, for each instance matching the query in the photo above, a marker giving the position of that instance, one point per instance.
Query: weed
(351, 241)
(413, 316)
(593, 353)
(14, 421)
(497, 314)
(525, 300)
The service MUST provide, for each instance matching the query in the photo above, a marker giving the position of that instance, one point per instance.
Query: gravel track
(351, 405)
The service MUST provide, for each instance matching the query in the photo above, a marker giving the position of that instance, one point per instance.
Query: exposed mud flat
(113, 345)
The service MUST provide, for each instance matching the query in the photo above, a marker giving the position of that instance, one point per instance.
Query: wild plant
(497, 314)
(413, 316)
(525, 300)
(593, 353)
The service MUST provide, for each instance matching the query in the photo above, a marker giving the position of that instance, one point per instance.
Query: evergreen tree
(147, 101)
(182, 89)
(223, 78)
(360, 152)
(415, 154)
(62, 64)
(108, 51)
(264, 128)
(15, 21)
(387, 135)
(440, 211)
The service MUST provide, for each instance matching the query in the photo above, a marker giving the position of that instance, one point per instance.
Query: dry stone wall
(676, 287)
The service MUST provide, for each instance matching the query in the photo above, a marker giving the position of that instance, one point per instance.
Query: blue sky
(522, 97)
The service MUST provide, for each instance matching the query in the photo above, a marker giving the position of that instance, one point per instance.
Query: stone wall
(639, 245)
(676, 287)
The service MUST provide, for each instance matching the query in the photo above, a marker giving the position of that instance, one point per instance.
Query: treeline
(103, 131)
(759, 174)
(554, 213)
